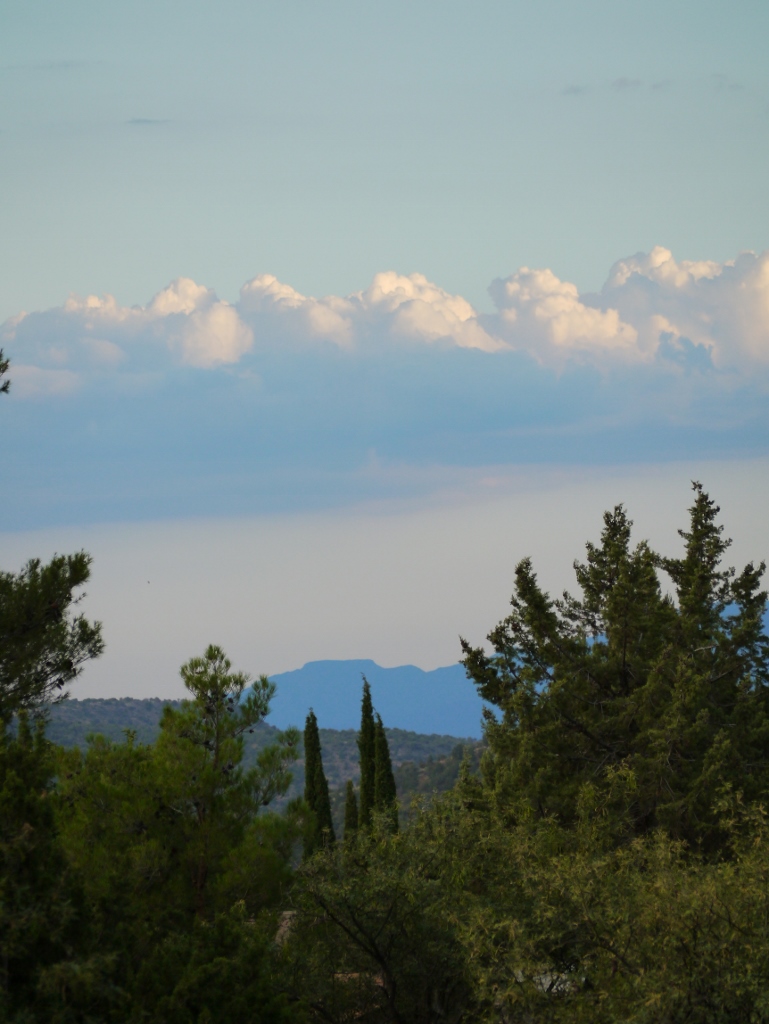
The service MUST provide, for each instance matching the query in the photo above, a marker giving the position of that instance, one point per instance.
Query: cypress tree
(323, 807)
(350, 812)
(311, 756)
(321, 831)
(367, 751)
(385, 795)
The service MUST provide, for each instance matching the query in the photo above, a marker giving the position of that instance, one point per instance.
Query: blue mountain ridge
(441, 701)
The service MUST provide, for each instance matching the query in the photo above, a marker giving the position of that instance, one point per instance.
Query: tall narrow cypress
(311, 756)
(367, 751)
(350, 812)
(321, 830)
(385, 795)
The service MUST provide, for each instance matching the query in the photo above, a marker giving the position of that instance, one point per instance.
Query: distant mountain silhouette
(441, 701)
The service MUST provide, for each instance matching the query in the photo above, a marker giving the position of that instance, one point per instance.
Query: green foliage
(218, 971)
(367, 752)
(169, 838)
(176, 812)
(385, 796)
(42, 646)
(625, 698)
(372, 938)
(72, 721)
(610, 863)
(40, 915)
(435, 775)
(559, 927)
(320, 832)
(461, 917)
(350, 811)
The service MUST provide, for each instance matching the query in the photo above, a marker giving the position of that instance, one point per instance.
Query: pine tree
(367, 751)
(385, 795)
(350, 812)
(43, 645)
(321, 830)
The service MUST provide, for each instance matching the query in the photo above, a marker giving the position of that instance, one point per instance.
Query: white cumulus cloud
(544, 316)
(653, 309)
(394, 306)
(278, 309)
(413, 307)
(721, 307)
(96, 332)
(213, 336)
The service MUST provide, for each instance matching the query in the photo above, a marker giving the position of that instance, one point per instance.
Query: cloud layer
(652, 309)
(191, 405)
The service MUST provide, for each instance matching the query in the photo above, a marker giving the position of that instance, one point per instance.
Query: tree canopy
(626, 695)
(43, 645)
(320, 831)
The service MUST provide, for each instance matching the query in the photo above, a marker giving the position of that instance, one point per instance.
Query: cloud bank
(194, 405)
(652, 308)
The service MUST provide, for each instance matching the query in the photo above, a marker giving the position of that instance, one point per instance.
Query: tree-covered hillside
(72, 721)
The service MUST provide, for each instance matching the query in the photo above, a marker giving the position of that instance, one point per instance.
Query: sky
(337, 299)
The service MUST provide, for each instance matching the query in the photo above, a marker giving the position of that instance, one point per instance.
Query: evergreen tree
(350, 812)
(5, 385)
(321, 829)
(42, 646)
(385, 796)
(178, 857)
(311, 757)
(367, 751)
(622, 699)
(41, 913)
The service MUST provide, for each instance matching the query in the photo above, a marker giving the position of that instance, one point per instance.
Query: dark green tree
(350, 811)
(385, 795)
(182, 867)
(162, 828)
(367, 752)
(624, 699)
(43, 646)
(374, 937)
(320, 831)
(41, 912)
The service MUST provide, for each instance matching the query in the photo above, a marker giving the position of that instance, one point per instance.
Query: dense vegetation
(608, 861)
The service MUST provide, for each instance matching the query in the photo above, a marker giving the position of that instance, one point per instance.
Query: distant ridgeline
(442, 701)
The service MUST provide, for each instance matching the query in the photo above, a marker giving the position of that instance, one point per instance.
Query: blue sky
(325, 142)
(306, 262)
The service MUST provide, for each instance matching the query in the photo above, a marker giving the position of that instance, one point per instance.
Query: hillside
(72, 721)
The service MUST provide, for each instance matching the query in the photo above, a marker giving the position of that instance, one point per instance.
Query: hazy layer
(395, 583)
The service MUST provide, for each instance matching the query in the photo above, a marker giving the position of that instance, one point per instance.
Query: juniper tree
(321, 829)
(350, 812)
(367, 752)
(624, 697)
(385, 795)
